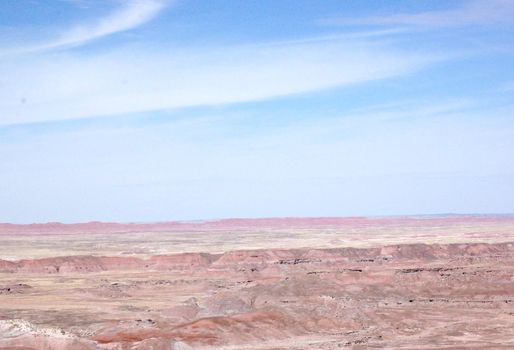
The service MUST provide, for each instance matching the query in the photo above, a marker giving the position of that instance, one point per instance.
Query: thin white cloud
(361, 163)
(133, 14)
(66, 86)
(473, 12)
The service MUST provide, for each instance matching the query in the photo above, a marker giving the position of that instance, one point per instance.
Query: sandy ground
(385, 283)
(50, 240)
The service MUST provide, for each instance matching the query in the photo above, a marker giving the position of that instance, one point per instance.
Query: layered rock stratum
(443, 282)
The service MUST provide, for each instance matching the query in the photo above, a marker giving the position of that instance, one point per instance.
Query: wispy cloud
(133, 14)
(473, 12)
(66, 86)
(361, 162)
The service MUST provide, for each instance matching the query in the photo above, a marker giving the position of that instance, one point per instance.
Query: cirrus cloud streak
(58, 86)
(474, 12)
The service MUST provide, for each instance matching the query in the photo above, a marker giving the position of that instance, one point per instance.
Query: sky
(156, 110)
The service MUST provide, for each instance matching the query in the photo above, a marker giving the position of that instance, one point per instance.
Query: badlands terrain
(442, 282)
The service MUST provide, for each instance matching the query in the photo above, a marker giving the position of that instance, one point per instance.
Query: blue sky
(153, 110)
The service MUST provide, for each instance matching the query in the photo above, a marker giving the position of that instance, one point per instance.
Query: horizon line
(213, 220)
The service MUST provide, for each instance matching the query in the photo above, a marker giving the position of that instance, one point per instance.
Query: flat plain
(428, 282)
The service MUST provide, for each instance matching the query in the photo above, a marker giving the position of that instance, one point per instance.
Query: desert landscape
(256, 175)
(428, 282)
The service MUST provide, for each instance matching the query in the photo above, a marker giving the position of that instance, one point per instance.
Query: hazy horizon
(207, 220)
